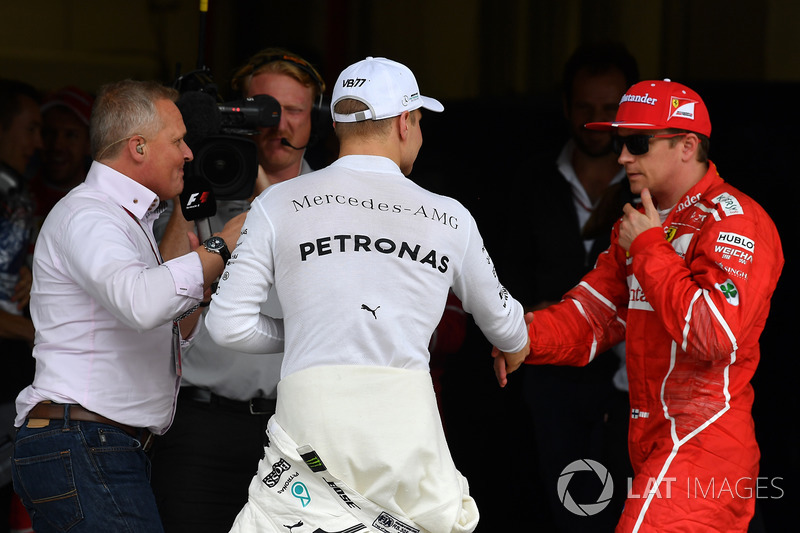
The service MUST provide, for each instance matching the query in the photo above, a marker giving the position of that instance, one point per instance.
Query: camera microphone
(201, 116)
(285, 142)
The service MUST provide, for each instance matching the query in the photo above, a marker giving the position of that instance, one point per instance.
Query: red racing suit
(690, 300)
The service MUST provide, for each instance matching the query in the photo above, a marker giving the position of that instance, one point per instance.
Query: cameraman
(203, 466)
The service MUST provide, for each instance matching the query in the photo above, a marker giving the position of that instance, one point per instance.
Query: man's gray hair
(124, 109)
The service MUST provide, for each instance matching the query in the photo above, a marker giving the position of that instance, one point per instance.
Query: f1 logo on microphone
(195, 202)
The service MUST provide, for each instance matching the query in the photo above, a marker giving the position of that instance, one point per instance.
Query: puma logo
(298, 524)
(365, 307)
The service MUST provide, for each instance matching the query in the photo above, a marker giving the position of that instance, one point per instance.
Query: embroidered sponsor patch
(312, 460)
(688, 201)
(733, 271)
(733, 253)
(682, 108)
(390, 524)
(272, 479)
(341, 494)
(729, 204)
(729, 290)
(641, 98)
(681, 244)
(734, 239)
(637, 299)
(300, 491)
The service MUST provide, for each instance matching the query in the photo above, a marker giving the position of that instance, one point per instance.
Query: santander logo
(687, 202)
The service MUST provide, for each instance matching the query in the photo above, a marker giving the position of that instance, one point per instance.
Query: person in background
(202, 466)
(20, 138)
(62, 164)
(687, 283)
(105, 309)
(363, 260)
(568, 201)
(66, 152)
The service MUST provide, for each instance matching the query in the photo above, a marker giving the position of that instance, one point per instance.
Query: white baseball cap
(387, 88)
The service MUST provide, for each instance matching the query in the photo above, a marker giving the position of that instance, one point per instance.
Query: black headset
(320, 112)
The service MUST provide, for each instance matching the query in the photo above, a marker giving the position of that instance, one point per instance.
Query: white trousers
(387, 466)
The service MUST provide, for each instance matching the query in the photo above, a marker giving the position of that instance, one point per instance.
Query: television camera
(225, 164)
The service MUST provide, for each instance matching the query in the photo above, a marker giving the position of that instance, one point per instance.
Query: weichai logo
(728, 252)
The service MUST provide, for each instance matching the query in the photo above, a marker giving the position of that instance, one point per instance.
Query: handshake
(506, 363)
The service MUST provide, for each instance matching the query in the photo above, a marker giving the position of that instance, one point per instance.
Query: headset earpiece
(320, 120)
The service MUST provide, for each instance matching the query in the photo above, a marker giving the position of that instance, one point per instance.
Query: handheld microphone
(198, 203)
(285, 142)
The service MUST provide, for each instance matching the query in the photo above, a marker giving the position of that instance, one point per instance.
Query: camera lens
(229, 164)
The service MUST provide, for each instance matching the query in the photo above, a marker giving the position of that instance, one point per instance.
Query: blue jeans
(84, 477)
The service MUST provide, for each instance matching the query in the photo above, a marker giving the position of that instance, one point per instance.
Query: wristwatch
(216, 245)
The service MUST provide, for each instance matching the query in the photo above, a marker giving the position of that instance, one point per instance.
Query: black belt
(56, 411)
(253, 406)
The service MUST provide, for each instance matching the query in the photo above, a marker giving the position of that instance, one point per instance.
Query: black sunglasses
(638, 144)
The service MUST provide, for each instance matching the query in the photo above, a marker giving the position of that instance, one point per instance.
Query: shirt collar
(305, 168)
(564, 164)
(130, 194)
(374, 163)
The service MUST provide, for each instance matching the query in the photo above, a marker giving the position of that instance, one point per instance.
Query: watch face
(217, 245)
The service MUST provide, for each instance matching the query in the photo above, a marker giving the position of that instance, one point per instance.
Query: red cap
(658, 105)
(74, 99)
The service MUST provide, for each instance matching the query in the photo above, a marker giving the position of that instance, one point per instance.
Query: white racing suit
(401, 444)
